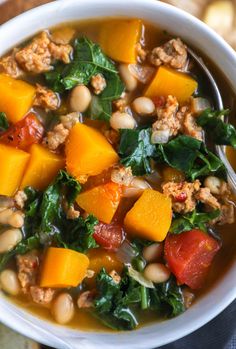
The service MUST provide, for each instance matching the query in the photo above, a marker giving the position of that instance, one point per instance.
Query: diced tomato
(189, 256)
(24, 133)
(159, 101)
(109, 236)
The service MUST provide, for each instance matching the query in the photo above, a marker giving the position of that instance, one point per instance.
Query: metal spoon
(218, 104)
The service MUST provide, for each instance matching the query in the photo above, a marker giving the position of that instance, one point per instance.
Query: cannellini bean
(121, 120)
(9, 282)
(153, 252)
(136, 187)
(213, 183)
(157, 272)
(143, 106)
(5, 216)
(63, 308)
(16, 220)
(80, 98)
(9, 239)
(129, 80)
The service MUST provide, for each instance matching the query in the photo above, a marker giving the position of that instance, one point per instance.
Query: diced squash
(12, 166)
(168, 81)
(63, 267)
(100, 258)
(42, 167)
(118, 40)
(102, 201)
(17, 97)
(150, 217)
(88, 152)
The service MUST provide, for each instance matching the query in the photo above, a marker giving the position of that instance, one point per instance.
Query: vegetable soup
(114, 209)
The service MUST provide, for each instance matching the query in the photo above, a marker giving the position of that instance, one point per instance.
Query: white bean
(143, 106)
(80, 98)
(157, 272)
(9, 282)
(63, 308)
(213, 183)
(5, 216)
(153, 252)
(120, 120)
(129, 80)
(16, 220)
(9, 239)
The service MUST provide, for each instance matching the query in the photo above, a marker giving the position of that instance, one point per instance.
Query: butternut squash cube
(168, 81)
(102, 201)
(150, 217)
(42, 167)
(63, 267)
(118, 39)
(88, 152)
(12, 166)
(17, 97)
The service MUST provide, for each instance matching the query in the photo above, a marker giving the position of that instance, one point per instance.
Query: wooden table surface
(12, 8)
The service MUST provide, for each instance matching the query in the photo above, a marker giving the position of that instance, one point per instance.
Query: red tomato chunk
(189, 256)
(109, 236)
(24, 133)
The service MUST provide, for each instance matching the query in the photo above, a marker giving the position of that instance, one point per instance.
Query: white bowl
(199, 35)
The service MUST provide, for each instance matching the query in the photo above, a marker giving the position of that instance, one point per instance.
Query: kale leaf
(77, 234)
(88, 61)
(192, 220)
(45, 220)
(117, 304)
(3, 122)
(22, 247)
(136, 150)
(113, 300)
(219, 131)
(189, 155)
(171, 298)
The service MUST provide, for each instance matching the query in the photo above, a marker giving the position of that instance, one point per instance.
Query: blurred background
(218, 14)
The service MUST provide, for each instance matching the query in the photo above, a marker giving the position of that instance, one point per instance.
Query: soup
(114, 210)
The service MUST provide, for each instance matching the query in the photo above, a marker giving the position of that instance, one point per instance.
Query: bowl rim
(230, 56)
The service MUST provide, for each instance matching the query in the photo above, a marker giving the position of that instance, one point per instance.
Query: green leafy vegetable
(171, 298)
(45, 220)
(189, 155)
(192, 220)
(23, 247)
(3, 122)
(219, 131)
(136, 150)
(117, 304)
(88, 60)
(77, 234)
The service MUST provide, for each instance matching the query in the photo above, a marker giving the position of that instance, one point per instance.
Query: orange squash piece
(17, 97)
(101, 201)
(12, 166)
(118, 39)
(150, 217)
(100, 258)
(88, 152)
(63, 267)
(168, 81)
(42, 167)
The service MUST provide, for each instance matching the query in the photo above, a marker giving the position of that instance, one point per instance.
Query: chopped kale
(219, 131)
(3, 122)
(136, 150)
